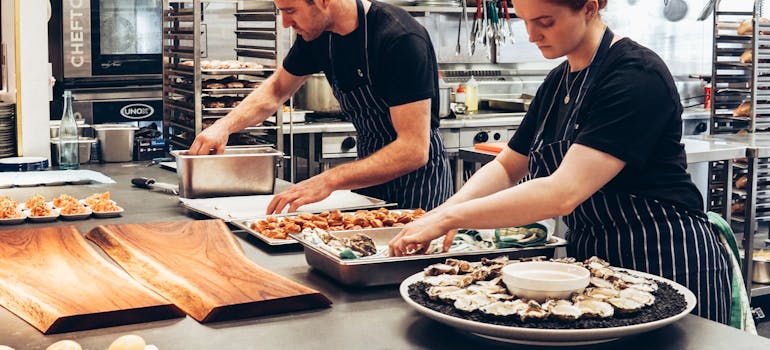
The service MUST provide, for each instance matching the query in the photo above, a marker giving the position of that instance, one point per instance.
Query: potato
(128, 342)
(64, 345)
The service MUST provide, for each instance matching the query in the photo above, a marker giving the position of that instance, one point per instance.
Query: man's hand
(312, 190)
(212, 140)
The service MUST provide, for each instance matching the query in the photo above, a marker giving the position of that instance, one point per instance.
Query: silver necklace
(569, 86)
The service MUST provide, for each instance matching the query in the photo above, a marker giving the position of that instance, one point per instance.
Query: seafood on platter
(472, 286)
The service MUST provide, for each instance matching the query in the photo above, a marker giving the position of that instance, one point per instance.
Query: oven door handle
(121, 99)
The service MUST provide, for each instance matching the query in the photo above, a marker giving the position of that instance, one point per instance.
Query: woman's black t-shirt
(632, 112)
(401, 57)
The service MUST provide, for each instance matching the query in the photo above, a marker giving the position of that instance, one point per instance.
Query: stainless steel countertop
(704, 149)
(757, 143)
(698, 149)
(370, 318)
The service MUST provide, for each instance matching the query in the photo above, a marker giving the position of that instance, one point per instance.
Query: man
(382, 68)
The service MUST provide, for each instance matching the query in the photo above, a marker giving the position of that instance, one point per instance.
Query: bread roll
(251, 84)
(235, 85)
(187, 63)
(744, 110)
(128, 342)
(214, 104)
(215, 85)
(737, 208)
(741, 182)
(747, 28)
(747, 57)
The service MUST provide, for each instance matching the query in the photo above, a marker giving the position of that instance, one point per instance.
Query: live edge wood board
(201, 268)
(57, 282)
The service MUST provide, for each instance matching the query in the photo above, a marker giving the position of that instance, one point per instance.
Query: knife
(150, 183)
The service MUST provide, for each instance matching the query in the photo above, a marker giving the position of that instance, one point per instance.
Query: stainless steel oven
(109, 55)
(119, 39)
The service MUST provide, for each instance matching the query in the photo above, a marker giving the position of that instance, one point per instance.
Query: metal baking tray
(234, 208)
(366, 272)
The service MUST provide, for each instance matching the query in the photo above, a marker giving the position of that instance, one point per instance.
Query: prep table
(370, 318)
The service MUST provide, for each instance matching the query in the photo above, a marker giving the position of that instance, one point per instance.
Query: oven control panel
(472, 136)
(339, 145)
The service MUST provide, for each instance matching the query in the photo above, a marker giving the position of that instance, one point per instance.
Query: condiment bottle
(68, 136)
(472, 95)
(459, 106)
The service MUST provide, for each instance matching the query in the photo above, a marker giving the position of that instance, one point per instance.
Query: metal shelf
(759, 290)
(184, 86)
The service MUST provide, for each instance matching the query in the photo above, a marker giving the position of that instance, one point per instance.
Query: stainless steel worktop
(370, 318)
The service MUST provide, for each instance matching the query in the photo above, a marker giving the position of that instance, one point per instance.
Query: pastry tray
(365, 272)
(245, 224)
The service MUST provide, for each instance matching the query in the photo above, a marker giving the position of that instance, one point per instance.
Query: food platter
(548, 337)
(386, 270)
(45, 218)
(79, 216)
(246, 225)
(108, 214)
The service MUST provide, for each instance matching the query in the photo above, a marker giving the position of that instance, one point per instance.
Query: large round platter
(549, 337)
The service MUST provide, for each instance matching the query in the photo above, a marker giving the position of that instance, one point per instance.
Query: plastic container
(68, 136)
(116, 142)
(472, 95)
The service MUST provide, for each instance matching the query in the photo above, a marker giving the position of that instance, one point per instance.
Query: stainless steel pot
(761, 272)
(317, 96)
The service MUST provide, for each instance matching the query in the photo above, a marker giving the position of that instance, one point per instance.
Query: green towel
(521, 237)
(740, 314)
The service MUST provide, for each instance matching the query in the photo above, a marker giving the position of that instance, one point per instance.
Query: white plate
(14, 221)
(47, 218)
(77, 216)
(548, 337)
(108, 214)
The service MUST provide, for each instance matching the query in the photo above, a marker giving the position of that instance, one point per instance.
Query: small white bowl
(541, 280)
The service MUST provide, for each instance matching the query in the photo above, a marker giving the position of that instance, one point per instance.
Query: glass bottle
(68, 136)
(472, 95)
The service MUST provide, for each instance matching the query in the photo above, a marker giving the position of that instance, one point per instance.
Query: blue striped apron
(426, 187)
(639, 233)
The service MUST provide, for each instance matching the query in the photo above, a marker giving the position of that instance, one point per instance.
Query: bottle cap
(460, 88)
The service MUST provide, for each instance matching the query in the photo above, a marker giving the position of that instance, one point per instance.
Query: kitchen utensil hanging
(674, 10)
(492, 24)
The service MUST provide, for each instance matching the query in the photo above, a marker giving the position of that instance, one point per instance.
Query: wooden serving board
(53, 279)
(200, 267)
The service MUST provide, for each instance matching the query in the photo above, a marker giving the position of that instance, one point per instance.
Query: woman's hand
(416, 236)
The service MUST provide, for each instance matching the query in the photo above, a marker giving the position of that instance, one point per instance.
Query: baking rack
(189, 104)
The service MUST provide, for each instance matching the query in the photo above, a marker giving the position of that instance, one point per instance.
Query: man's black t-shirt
(401, 58)
(632, 112)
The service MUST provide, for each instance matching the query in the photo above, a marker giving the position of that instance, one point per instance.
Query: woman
(602, 143)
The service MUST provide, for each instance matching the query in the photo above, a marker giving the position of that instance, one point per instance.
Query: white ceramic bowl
(541, 280)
